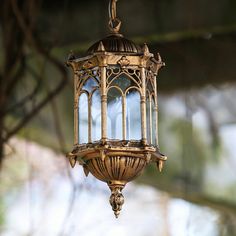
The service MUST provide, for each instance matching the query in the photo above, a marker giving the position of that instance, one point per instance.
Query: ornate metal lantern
(115, 110)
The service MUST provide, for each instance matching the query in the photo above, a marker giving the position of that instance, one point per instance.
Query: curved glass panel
(148, 118)
(90, 85)
(96, 116)
(154, 123)
(83, 118)
(133, 115)
(114, 113)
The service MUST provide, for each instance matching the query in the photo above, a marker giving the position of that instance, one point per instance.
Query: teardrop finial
(116, 200)
(114, 22)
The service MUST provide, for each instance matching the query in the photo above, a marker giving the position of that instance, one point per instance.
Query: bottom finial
(116, 200)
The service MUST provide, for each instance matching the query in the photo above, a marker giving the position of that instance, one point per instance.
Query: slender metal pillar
(143, 107)
(124, 117)
(76, 112)
(89, 118)
(156, 110)
(103, 103)
(150, 120)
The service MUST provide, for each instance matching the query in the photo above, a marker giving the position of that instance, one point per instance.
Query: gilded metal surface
(115, 62)
(116, 161)
(121, 168)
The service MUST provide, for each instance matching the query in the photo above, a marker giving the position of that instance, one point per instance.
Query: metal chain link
(114, 22)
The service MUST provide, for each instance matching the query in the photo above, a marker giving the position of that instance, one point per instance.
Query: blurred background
(196, 193)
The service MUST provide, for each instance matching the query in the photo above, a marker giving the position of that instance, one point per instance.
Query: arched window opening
(83, 118)
(133, 115)
(148, 117)
(90, 84)
(154, 122)
(114, 112)
(124, 82)
(96, 116)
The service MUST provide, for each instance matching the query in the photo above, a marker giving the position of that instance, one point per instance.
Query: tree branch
(36, 45)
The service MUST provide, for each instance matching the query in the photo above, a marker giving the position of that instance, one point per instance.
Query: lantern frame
(117, 161)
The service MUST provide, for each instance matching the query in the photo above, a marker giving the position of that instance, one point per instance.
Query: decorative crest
(123, 62)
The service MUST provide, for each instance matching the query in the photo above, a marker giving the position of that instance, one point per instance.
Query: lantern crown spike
(101, 47)
(70, 57)
(145, 49)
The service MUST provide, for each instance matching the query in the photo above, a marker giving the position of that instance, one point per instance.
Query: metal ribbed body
(116, 43)
(119, 168)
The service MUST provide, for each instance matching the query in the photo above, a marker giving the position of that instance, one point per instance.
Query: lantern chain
(114, 22)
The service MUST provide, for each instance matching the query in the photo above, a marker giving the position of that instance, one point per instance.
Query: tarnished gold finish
(119, 64)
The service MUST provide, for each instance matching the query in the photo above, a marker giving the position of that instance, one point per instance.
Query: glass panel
(123, 82)
(83, 118)
(133, 115)
(154, 124)
(96, 116)
(114, 112)
(90, 85)
(148, 118)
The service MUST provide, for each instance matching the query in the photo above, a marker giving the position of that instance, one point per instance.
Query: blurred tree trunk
(19, 37)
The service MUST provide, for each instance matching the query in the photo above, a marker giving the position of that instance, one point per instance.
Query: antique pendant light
(115, 110)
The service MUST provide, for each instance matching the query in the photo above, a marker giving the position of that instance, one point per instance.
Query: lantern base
(116, 163)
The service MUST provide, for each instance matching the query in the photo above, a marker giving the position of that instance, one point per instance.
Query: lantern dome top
(115, 43)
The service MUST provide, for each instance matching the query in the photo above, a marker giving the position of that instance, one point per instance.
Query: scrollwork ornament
(87, 65)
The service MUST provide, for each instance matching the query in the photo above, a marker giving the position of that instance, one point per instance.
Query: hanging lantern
(115, 110)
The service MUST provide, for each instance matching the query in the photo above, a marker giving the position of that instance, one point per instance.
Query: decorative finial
(71, 56)
(101, 47)
(159, 57)
(159, 60)
(86, 171)
(160, 165)
(116, 200)
(72, 159)
(145, 49)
